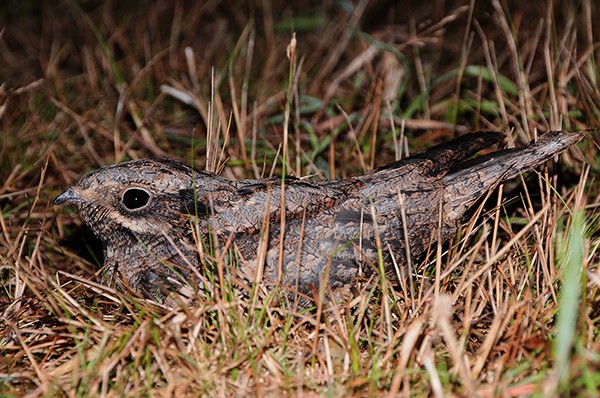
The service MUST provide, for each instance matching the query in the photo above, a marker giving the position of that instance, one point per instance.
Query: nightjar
(162, 222)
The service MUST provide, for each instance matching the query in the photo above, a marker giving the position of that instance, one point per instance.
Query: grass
(512, 308)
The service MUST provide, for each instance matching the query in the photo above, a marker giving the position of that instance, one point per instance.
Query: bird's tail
(469, 180)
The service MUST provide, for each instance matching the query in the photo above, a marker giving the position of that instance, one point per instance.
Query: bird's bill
(68, 197)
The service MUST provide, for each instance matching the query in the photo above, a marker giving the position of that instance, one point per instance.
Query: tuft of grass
(571, 254)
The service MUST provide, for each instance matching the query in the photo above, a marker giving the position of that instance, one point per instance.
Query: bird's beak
(68, 197)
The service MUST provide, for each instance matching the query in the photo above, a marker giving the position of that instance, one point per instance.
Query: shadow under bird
(161, 221)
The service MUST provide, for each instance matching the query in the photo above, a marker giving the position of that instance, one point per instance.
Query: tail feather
(470, 180)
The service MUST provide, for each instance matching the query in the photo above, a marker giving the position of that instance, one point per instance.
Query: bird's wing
(443, 157)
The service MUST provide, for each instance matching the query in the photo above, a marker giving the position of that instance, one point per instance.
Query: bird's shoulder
(253, 201)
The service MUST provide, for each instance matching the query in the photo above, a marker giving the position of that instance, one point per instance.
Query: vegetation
(321, 89)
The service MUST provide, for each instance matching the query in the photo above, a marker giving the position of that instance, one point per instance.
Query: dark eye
(135, 198)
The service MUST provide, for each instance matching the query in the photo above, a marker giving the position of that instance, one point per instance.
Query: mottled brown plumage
(154, 216)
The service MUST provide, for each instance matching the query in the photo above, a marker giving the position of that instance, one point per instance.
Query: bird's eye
(135, 198)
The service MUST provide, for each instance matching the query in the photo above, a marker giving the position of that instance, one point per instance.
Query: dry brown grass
(89, 84)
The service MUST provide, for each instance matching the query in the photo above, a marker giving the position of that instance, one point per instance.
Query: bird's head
(135, 198)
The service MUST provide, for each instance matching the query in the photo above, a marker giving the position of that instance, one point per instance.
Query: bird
(164, 224)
